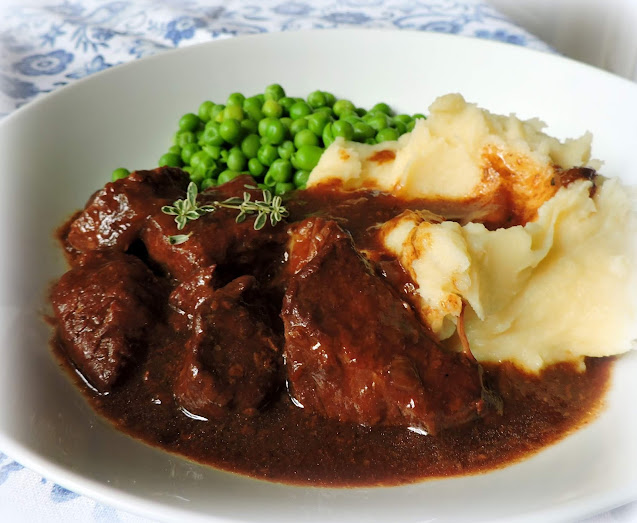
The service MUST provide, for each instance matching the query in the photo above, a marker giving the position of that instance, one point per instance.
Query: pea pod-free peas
(276, 138)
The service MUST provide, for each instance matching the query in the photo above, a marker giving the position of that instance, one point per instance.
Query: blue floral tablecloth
(45, 45)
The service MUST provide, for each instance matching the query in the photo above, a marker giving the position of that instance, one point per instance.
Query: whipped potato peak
(546, 272)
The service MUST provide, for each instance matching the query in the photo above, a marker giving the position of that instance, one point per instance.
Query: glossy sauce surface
(283, 442)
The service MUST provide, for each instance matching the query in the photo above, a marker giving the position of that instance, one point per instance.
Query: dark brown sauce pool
(287, 444)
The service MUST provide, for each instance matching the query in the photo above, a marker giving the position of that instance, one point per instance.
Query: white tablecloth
(48, 44)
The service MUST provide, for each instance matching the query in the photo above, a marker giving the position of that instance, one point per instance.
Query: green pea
(267, 154)
(350, 117)
(254, 111)
(233, 111)
(286, 121)
(410, 126)
(213, 172)
(188, 150)
(226, 176)
(184, 137)
(211, 134)
(175, 149)
(119, 173)
(216, 110)
(281, 170)
(201, 160)
(199, 134)
(249, 126)
(378, 121)
(260, 97)
(404, 118)
(316, 99)
(298, 125)
(282, 187)
(252, 102)
(326, 110)
(286, 150)
(207, 183)
(250, 145)
(316, 122)
(204, 110)
(235, 99)
(272, 109)
(382, 107)
(362, 131)
(305, 137)
(342, 128)
(236, 160)
(300, 178)
(299, 110)
(263, 125)
(275, 132)
(307, 157)
(360, 111)
(400, 127)
(255, 167)
(343, 105)
(286, 102)
(196, 175)
(230, 130)
(268, 181)
(419, 116)
(189, 122)
(370, 141)
(214, 151)
(386, 135)
(327, 135)
(274, 92)
(170, 160)
(329, 99)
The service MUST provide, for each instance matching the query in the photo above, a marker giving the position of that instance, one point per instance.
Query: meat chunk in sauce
(103, 310)
(355, 351)
(114, 216)
(232, 357)
(216, 237)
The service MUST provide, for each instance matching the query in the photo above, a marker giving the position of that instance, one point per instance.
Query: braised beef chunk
(215, 238)
(189, 296)
(103, 310)
(114, 215)
(355, 351)
(232, 356)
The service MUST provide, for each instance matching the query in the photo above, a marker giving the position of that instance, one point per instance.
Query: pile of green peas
(273, 137)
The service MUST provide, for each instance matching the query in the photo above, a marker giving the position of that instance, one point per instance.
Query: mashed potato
(558, 286)
(461, 152)
(556, 289)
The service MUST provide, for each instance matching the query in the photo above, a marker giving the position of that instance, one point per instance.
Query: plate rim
(130, 502)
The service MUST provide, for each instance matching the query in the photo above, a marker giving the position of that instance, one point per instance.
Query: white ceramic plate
(55, 152)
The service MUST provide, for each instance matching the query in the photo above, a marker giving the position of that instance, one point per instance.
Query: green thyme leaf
(260, 221)
(178, 239)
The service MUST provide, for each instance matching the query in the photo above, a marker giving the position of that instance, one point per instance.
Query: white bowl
(56, 151)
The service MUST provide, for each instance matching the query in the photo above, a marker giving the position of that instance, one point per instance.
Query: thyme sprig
(188, 210)
(271, 206)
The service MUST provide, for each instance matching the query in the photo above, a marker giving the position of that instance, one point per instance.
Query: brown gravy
(287, 444)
